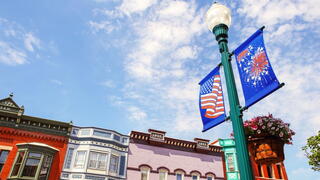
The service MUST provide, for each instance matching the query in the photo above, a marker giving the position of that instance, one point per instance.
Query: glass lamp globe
(218, 14)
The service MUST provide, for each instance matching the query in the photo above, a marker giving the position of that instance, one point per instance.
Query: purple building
(152, 156)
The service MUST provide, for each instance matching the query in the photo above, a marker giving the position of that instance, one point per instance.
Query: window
(94, 177)
(77, 176)
(44, 171)
(195, 175)
(101, 134)
(69, 158)
(279, 171)
(3, 158)
(270, 171)
(80, 159)
(179, 176)
(122, 165)
(116, 137)
(114, 161)
(124, 140)
(75, 132)
(33, 161)
(209, 178)
(144, 173)
(85, 132)
(97, 160)
(163, 174)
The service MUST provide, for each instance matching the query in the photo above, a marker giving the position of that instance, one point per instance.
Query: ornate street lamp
(218, 19)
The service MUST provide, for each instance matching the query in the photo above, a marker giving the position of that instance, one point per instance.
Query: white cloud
(31, 42)
(108, 84)
(136, 114)
(57, 82)
(10, 55)
(105, 26)
(17, 44)
(134, 6)
(272, 12)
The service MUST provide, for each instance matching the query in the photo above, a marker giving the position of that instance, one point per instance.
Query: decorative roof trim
(172, 143)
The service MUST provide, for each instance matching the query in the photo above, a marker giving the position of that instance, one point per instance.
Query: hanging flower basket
(266, 138)
(266, 149)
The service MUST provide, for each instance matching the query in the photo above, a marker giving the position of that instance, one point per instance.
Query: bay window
(33, 161)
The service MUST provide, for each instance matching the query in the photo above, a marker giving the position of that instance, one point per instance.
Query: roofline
(83, 127)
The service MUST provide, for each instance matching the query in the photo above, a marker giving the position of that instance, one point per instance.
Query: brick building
(30, 147)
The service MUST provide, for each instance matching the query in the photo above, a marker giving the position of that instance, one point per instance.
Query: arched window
(145, 172)
(210, 176)
(179, 174)
(163, 174)
(195, 175)
(33, 161)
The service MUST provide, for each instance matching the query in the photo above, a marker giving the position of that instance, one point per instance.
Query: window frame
(146, 170)
(97, 160)
(117, 165)
(179, 173)
(26, 149)
(165, 171)
(68, 158)
(76, 160)
(5, 159)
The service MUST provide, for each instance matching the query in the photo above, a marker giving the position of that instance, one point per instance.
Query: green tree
(312, 151)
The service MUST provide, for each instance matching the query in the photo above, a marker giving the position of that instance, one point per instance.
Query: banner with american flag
(257, 77)
(211, 100)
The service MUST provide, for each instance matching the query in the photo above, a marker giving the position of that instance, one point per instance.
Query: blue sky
(135, 64)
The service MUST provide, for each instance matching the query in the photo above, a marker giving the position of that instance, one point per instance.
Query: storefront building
(96, 153)
(152, 156)
(30, 147)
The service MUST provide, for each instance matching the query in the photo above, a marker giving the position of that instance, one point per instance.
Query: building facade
(30, 147)
(95, 153)
(152, 156)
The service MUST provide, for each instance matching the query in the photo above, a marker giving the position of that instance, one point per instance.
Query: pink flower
(263, 127)
(281, 134)
(254, 127)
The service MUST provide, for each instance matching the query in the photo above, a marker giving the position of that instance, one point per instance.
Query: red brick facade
(10, 137)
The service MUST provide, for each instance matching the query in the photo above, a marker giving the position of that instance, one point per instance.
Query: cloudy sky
(135, 64)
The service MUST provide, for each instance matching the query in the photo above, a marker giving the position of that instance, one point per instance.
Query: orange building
(30, 147)
(274, 171)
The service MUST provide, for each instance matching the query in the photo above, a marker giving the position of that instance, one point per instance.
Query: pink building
(152, 156)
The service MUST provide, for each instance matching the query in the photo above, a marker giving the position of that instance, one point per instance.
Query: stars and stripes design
(211, 100)
(211, 97)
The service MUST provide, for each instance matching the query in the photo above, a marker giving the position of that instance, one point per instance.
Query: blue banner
(257, 77)
(211, 100)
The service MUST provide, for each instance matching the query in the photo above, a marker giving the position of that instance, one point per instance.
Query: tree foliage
(312, 151)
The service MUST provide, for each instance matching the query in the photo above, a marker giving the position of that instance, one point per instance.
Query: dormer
(202, 144)
(9, 105)
(156, 135)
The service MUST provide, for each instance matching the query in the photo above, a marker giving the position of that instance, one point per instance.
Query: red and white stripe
(213, 101)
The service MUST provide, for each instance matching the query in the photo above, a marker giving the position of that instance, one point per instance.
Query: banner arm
(247, 107)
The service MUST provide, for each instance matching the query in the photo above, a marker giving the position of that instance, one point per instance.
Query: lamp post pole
(219, 19)
(221, 33)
